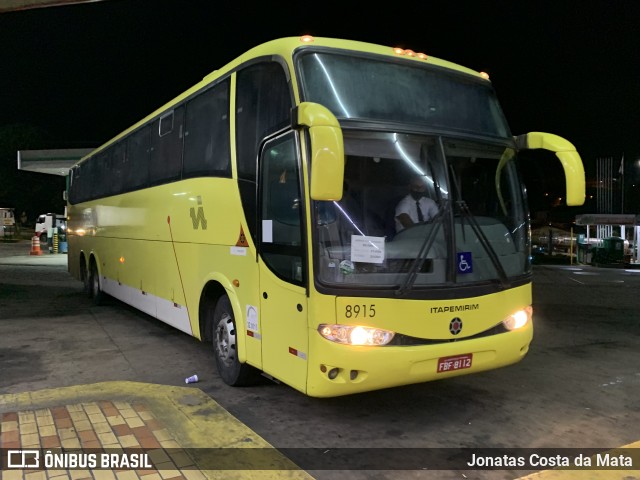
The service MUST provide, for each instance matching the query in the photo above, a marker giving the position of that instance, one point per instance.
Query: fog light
(333, 373)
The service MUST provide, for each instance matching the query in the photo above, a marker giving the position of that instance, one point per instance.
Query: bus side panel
(158, 248)
(224, 264)
(211, 243)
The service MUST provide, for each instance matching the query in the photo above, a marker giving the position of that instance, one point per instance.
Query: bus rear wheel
(225, 346)
(95, 291)
(86, 279)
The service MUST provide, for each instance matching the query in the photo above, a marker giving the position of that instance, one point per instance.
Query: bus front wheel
(225, 345)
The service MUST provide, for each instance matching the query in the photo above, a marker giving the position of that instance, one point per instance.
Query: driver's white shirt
(408, 205)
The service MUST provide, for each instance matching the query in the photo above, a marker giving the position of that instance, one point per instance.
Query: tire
(224, 335)
(86, 280)
(95, 290)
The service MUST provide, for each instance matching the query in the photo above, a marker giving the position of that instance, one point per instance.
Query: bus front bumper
(343, 370)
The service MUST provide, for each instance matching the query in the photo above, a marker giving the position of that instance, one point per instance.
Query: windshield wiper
(465, 212)
(416, 266)
(473, 223)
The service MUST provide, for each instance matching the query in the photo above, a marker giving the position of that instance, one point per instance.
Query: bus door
(283, 299)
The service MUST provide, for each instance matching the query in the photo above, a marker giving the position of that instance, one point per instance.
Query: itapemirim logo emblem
(198, 219)
(455, 326)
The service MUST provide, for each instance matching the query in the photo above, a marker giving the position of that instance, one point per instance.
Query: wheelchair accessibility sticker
(464, 262)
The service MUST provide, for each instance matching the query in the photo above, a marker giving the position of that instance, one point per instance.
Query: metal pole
(622, 182)
(598, 193)
(610, 192)
(571, 247)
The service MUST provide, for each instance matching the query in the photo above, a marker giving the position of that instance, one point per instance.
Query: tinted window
(206, 144)
(118, 157)
(74, 184)
(166, 147)
(282, 207)
(99, 172)
(166, 124)
(136, 167)
(263, 106)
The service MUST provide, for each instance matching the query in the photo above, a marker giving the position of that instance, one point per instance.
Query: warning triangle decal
(242, 240)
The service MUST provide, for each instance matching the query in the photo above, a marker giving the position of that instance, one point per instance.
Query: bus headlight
(355, 334)
(518, 319)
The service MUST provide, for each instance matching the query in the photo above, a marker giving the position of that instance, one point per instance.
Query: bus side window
(166, 148)
(136, 166)
(281, 203)
(282, 207)
(117, 167)
(263, 106)
(206, 137)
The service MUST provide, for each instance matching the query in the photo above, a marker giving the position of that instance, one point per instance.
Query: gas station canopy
(607, 219)
(13, 5)
(51, 162)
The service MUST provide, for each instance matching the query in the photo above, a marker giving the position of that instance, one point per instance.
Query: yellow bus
(271, 210)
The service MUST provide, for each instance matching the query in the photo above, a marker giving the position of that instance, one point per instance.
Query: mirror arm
(568, 156)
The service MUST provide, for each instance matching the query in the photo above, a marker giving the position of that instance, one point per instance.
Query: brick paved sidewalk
(96, 425)
(164, 422)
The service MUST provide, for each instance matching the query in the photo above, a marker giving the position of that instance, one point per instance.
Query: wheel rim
(225, 339)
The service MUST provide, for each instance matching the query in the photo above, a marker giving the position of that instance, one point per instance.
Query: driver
(416, 207)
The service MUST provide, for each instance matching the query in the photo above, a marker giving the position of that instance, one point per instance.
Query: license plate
(455, 362)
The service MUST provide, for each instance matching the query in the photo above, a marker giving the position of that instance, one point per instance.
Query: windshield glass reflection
(423, 210)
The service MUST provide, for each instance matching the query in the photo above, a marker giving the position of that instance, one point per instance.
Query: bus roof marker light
(422, 56)
(484, 75)
(307, 39)
(410, 53)
(398, 51)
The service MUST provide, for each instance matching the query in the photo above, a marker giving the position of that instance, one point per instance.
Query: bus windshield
(472, 225)
(407, 93)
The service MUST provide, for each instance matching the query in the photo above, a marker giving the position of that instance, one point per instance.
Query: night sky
(86, 72)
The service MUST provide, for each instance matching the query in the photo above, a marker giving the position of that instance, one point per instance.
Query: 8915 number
(355, 311)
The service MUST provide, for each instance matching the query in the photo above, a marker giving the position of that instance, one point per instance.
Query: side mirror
(568, 156)
(327, 149)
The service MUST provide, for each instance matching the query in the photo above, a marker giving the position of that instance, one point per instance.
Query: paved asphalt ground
(49, 398)
(57, 394)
